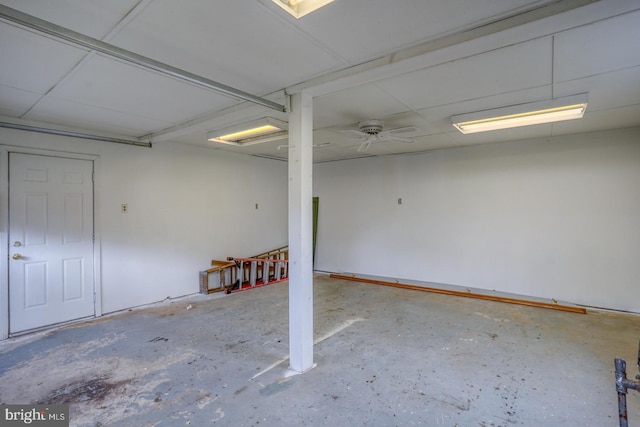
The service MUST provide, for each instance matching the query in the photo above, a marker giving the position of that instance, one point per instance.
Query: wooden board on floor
(539, 304)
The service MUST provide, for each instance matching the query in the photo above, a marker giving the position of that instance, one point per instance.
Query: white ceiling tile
(523, 66)
(353, 105)
(364, 29)
(235, 43)
(327, 136)
(15, 102)
(430, 142)
(94, 18)
(593, 121)
(606, 90)
(253, 46)
(423, 122)
(32, 62)
(125, 88)
(603, 46)
(195, 138)
(71, 113)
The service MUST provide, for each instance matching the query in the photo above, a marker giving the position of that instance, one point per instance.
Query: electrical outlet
(124, 208)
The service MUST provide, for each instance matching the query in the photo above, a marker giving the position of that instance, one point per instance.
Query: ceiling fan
(372, 131)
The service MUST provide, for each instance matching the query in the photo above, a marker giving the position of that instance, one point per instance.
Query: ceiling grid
(414, 65)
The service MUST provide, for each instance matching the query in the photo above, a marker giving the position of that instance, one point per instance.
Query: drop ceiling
(408, 63)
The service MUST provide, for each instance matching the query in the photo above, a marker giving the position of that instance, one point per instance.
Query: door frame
(5, 150)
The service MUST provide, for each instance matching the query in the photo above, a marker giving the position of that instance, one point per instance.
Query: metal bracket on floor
(622, 385)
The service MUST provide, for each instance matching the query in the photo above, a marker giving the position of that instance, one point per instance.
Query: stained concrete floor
(385, 357)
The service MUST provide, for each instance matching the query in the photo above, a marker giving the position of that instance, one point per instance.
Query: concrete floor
(385, 357)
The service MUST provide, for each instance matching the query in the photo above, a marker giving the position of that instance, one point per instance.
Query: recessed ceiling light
(300, 8)
(560, 109)
(253, 132)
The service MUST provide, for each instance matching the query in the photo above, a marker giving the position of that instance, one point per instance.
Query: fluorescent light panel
(254, 132)
(300, 8)
(560, 109)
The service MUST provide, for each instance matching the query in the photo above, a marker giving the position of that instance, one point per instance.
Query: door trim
(4, 227)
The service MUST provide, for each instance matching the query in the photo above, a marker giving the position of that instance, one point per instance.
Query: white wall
(555, 218)
(187, 205)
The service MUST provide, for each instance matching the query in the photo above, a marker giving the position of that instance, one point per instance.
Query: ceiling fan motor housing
(371, 127)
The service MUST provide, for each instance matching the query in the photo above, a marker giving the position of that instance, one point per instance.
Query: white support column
(300, 233)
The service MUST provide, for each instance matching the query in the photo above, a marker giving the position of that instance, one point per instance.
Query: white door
(51, 240)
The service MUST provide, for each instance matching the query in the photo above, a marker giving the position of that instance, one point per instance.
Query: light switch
(124, 208)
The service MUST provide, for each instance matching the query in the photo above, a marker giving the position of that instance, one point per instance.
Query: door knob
(16, 256)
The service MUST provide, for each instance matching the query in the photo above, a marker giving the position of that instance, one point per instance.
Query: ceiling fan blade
(365, 145)
(390, 137)
(402, 139)
(377, 135)
(351, 133)
(404, 130)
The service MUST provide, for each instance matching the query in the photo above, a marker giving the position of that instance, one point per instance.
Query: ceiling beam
(90, 43)
(392, 64)
(72, 134)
